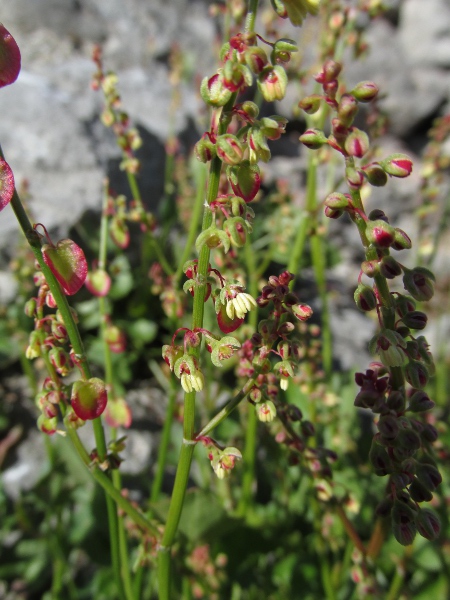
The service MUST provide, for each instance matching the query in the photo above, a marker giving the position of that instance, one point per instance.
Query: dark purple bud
(420, 402)
(404, 533)
(415, 319)
(416, 374)
(428, 475)
(307, 428)
(389, 267)
(388, 427)
(404, 305)
(378, 215)
(419, 492)
(429, 433)
(380, 460)
(428, 524)
(396, 401)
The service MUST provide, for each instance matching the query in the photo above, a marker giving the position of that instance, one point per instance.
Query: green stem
(249, 453)
(164, 445)
(194, 222)
(123, 575)
(251, 16)
(187, 448)
(106, 483)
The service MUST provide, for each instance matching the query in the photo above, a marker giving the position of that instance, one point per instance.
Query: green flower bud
(397, 165)
(357, 143)
(310, 104)
(428, 475)
(419, 282)
(415, 319)
(313, 139)
(375, 175)
(347, 109)
(272, 82)
(389, 267)
(229, 149)
(365, 298)
(419, 492)
(380, 460)
(214, 92)
(401, 240)
(365, 91)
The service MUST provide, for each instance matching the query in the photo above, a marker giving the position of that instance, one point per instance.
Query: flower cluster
(394, 388)
(222, 459)
(86, 398)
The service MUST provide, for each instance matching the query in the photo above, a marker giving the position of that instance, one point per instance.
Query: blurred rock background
(51, 134)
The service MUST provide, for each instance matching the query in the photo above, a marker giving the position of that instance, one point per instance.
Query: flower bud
(370, 268)
(388, 427)
(357, 143)
(256, 59)
(403, 532)
(229, 149)
(30, 307)
(236, 229)
(266, 411)
(245, 180)
(428, 475)
(375, 175)
(365, 91)
(310, 104)
(401, 240)
(416, 374)
(308, 429)
(390, 346)
(429, 433)
(380, 460)
(384, 507)
(380, 234)
(420, 402)
(302, 311)
(407, 444)
(338, 201)
(331, 70)
(347, 109)
(419, 282)
(214, 91)
(419, 492)
(365, 298)
(428, 524)
(272, 82)
(396, 401)
(236, 76)
(389, 267)
(204, 149)
(355, 177)
(313, 139)
(415, 320)
(47, 425)
(98, 282)
(397, 165)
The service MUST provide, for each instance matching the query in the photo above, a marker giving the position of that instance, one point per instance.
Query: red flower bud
(397, 165)
(380, 234)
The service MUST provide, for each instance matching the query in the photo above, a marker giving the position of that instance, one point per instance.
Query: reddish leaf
(6, 184)
(226, 324)
(9, 58)
(89, 398)
(67, 263)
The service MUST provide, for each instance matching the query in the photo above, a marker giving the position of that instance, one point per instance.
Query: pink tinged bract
(67, 263)
(6, 184)
(89, 398)
(118, 413)
(9, 58)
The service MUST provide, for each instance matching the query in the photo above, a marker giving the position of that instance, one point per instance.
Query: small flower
(241, 304)
(186, 369)
(223, 461)
(266, 411)
(272, 82)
